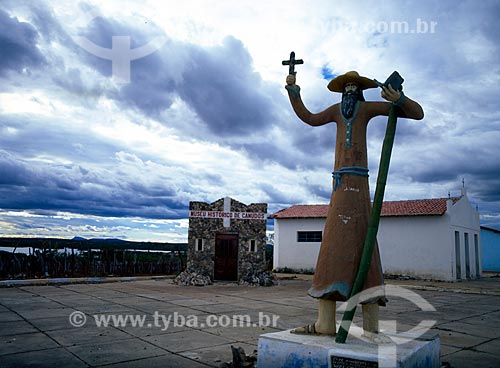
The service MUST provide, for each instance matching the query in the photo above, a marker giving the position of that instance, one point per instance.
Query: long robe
(349, 210)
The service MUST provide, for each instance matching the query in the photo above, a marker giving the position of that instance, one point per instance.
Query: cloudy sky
(97, 140)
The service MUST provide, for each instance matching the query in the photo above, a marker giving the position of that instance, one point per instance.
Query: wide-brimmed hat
(337, 84)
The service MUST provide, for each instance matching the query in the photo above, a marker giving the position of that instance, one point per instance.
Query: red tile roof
(417, 207)
(301, 211)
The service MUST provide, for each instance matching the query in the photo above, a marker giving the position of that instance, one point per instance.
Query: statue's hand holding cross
(290, 80)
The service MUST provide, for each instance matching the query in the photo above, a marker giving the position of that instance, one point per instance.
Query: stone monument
(227, 239)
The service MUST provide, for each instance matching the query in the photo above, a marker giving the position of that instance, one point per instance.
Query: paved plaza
(196, 326)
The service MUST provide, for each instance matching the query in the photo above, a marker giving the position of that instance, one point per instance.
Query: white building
(434, 239)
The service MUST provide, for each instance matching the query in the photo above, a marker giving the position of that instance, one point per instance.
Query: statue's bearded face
(352, 93)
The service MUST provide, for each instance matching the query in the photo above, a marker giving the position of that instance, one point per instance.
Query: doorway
(458, 268)
(467, 255)
(226, 257)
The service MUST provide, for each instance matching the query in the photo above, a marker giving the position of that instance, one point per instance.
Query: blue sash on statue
(351, 170)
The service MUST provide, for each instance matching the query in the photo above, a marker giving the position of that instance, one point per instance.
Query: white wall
(417, 246)
(287, 251)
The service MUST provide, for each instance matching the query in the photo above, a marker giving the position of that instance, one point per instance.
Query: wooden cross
(292, 62)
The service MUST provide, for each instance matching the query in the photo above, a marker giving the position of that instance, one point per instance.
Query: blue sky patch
(327, 73)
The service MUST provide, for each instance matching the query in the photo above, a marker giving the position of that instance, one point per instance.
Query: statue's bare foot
(377, 338)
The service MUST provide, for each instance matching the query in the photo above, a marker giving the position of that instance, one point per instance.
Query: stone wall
(249, 262)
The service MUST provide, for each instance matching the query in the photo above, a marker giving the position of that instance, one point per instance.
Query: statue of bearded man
(349, 210)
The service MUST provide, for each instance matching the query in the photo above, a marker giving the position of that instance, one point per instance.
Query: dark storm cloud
(43, 19)
(26, 181)
(277, 196)
(18, 42)
(481, 173)
(71, 80)
(489, 24)
(49, 187)
(222, 88)
(152, 89)
(34, 135)
(101, 30)
(218, 83)
(268, 151)
(32, 44)
(323, 192)
(317, 144)
(48, 166)
(11, 173)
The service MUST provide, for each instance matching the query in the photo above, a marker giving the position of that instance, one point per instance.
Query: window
(252, 245)
(309, 236)
(199, 245)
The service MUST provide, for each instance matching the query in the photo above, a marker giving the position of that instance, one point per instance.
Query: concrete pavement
(195, 326)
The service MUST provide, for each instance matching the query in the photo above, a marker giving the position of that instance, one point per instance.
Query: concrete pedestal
(287, 350)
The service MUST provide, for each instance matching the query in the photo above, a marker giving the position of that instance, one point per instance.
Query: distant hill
(79, 238)
(83, 244)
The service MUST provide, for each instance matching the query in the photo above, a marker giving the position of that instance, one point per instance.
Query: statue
(349, 210)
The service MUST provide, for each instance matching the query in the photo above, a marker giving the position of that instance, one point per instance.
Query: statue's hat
(337, 84)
